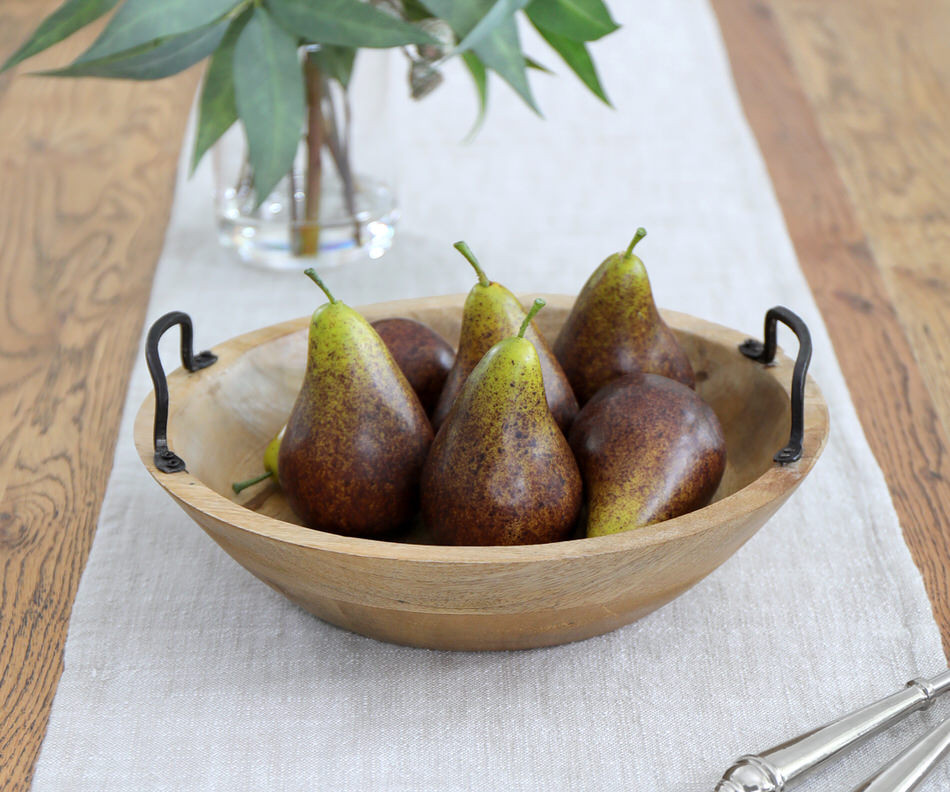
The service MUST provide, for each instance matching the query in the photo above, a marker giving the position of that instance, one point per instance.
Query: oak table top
(848, 103)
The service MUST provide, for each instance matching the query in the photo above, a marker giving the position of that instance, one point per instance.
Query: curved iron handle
(165, 459)
(765, 353)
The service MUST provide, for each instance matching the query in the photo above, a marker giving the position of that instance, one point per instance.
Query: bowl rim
(192, 493)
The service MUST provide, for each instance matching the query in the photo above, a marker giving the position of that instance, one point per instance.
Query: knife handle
(774, 769)
(909, 768)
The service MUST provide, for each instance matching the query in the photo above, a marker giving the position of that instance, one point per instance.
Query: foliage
(255, 75)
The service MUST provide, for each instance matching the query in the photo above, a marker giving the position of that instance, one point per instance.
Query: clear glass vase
(322, 212)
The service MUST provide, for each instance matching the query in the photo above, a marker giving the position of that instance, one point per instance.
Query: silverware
(773, 770)
(908, 769)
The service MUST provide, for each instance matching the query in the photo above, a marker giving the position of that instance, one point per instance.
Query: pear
(270, 464)
(615, 329)
(649, 449)
(500, 471)
(421, 354)
(357, 436)
(492, 313)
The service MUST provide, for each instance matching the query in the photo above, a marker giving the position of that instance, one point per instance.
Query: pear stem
(243, 485)
(466, 251)
(311, 273)
(641, 232)
(538, 305)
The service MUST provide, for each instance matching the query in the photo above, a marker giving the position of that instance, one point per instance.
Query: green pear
(649, 449)
(357, 436)
(500, 471)
(270, 464)
(491, 314)
(615, 329)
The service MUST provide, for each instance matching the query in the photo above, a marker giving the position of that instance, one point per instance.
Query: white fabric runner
(184, 672)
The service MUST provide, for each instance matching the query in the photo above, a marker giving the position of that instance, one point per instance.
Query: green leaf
(499, 50)
(500, 12)
(269, 92)
(152, 61)
(336, 62)
(217, 109)
(580, 20)
(62, 23)
(348, 23)
(531, 63)
(139, 22)
(575, 55)
(415, 11)
(477, 69)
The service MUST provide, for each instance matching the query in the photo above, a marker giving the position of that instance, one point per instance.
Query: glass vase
(323, 212)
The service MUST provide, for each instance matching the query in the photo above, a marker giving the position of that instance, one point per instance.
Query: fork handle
(908, 769)
(773, 770)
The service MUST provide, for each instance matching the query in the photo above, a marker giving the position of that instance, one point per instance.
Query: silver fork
(773, 770)
(910, 767)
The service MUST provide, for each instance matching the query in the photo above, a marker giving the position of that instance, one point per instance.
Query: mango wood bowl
(410, 592)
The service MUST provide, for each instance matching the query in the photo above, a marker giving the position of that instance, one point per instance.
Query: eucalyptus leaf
(500, 12)
(415, 11)
(336, 62)
(139, 22)
(575, 55)
(152, 61)
(580, 20)
(217, 109)
(480, 76)
(348, 23)
(531, 63)
(269, 93)
(499, 50)
(62, 23)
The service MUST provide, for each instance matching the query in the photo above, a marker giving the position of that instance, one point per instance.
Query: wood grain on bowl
(221, 418)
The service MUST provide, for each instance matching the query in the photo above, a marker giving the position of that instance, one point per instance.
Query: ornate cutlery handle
(772, 770)
(909, 768)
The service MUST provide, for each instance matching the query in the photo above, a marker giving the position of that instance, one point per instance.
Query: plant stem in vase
(306, 236)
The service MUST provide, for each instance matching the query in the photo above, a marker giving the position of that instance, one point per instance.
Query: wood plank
(81, 240)
(878, 75)
(889, 392)
(88, 177)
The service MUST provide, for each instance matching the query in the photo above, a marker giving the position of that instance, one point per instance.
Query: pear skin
(615, 329)
(500, 471)
(272, 451)
(357, 435)
(491, 314)
(421, 354)
(649, 449)
(270, 464)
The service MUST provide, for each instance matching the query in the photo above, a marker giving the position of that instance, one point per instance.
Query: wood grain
(472, 598)
(878, 76)
(88, 175)
(80, 243)
(889, 392)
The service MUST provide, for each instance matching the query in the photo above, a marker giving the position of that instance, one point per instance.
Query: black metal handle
(165, 459)
(765, 353)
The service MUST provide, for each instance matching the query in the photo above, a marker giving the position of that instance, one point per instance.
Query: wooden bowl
(408, 592)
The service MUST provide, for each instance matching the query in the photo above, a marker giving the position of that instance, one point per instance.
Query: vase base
(269, 240)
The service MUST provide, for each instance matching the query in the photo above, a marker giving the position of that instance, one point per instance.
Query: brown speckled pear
(357, 436)
(615, 329)
(500, 471)
(421, 354)
(649, 449)
(491, 314)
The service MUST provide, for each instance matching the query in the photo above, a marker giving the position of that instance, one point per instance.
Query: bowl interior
(223, 428)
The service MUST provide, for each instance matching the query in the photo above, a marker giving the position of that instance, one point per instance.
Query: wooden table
(849, 102)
